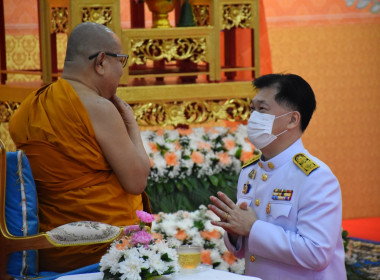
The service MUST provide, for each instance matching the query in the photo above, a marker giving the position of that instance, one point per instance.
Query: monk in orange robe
(84, 145)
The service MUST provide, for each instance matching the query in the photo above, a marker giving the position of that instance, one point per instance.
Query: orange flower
(181, 235)
(229, 257)
(151, 162)
(197, 157)
(213, 130)
(249, 142)
(123, 244)
(203, 145)
(160, 132)
(206, 257)
(246, 155)
(157, 218)
(153, 147)
(210, 234)
(233, 126)
(224, 158)
(185, 131)
(229, 143)
(177, 145)
(157, 235)
(171, 158)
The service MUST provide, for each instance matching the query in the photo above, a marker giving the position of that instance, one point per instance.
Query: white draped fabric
(201, 273)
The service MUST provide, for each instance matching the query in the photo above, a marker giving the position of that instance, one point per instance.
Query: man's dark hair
(293, 92)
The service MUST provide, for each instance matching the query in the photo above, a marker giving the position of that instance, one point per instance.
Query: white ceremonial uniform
(298, 231)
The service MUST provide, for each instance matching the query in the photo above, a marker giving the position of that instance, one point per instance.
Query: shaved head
(87, 39)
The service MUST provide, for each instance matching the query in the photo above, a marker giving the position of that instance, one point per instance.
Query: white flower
(238, 266)
(130, 268)
(215, 256)
(110, 260)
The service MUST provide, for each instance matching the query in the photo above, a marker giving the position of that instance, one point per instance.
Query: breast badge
(267, 210)
(282, 194)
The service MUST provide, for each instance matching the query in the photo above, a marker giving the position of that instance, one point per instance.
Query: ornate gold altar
(176, 76)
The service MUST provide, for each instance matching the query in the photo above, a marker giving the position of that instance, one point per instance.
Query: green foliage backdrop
(190, 192)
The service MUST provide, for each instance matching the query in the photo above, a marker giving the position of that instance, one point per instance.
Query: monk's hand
(236, 220)
(124, 109)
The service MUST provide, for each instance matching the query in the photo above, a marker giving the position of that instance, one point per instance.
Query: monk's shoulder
(97, 104)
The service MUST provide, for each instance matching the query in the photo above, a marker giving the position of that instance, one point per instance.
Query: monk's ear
(99, 63)
(295, 120)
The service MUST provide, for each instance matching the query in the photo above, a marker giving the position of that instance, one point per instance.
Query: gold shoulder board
(252, 160)
(304, 163)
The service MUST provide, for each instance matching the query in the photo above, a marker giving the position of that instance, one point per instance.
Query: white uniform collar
(282, 158)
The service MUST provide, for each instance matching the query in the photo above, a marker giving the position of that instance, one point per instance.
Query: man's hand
(236, 220)
(124, 109)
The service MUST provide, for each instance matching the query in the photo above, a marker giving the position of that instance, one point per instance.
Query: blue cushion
(47, 275)
(21, 212)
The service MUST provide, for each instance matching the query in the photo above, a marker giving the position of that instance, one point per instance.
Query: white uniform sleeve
(318, 227)
(238, 249)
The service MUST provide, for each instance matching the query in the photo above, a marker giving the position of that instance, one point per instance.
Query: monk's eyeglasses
(124, 57)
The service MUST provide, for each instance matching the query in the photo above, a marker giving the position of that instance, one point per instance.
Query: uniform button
(260, 164)
(264, 177)
(257, 202)
(270, 165)
(252, 258)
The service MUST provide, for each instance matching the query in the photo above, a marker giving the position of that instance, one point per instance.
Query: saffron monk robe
(84, 145)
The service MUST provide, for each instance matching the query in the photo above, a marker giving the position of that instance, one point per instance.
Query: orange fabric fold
(74, 180)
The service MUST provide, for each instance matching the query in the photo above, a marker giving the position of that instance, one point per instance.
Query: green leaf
(179, 186)
(215, 264)
(214, 180)
(165, 257)
(199, 225)
(168, 187)
(238, 152)
(160, 188)
(186, 183)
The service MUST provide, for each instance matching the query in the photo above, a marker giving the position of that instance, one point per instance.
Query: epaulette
(254, 159)
(304, 163)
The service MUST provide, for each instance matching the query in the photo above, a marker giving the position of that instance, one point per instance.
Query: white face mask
(260, 129)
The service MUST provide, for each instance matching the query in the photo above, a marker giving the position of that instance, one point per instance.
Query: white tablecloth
(201, 273)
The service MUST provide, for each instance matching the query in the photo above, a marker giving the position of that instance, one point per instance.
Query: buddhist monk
(84, 145)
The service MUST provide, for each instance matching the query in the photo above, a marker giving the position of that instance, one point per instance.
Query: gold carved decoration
(7, 109)
(174, 113)
(101, 15)
(191, 112)
(239, 15)
(201, 14)
(59, 20)
(169, 49)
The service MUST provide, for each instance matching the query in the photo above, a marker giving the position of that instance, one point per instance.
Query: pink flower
(144, 216)
(130, 229)
(141, 237)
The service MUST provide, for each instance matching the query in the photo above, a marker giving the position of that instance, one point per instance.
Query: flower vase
(160, 10)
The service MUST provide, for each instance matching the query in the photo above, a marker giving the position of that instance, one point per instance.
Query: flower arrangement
(137, 255)
(196, 152)
(189, 165)
(194, 228)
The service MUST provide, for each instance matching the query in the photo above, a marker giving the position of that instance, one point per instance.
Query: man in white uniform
(287, 221)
